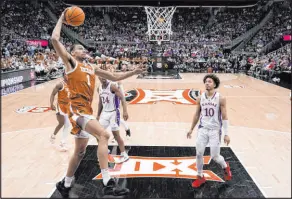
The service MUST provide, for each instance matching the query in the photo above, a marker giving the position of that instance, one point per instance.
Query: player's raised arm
(58, 46)
(53, 94)
(117, 77)
(224, 119)
(195, 119)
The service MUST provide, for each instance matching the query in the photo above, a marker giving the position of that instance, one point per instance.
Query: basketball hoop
(159, 23)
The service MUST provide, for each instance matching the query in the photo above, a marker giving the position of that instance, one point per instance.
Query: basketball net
(159, 23)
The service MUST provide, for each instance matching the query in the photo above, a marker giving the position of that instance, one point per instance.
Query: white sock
(124, 154)
(68, 181)
(105, 176)
(124, 124)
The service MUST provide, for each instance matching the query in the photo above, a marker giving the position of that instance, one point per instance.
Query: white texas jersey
(210, 117)
(110, 101)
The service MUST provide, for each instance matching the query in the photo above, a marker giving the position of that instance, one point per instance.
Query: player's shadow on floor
(217, 190)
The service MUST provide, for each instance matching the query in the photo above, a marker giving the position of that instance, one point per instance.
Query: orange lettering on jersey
(87, 70)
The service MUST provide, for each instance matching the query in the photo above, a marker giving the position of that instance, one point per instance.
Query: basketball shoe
(64, 191)
(112, 189)
(128, 133)
(227, 173)
(52, 139)
(198, 182)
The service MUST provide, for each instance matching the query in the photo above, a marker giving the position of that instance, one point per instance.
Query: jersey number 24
(105, 99)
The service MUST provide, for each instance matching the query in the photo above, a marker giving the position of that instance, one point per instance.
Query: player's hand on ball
(189, 134)
(226, 140)
(125, 116)
(63, 16)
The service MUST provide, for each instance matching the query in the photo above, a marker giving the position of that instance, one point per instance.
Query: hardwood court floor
(259, 115)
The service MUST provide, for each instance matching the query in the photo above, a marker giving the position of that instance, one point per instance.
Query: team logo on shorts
(163, 167)
(152, 96)
(33, 109)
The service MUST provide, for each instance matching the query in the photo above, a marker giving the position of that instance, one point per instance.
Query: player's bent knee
(104, 135)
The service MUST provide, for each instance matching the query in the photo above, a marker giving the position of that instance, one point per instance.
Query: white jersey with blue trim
(110, 101)
(210, 117)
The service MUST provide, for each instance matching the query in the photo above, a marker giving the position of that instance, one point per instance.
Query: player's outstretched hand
(53, 107)
(226, 140)
(63, 16)
(189, 135)
(140, 69)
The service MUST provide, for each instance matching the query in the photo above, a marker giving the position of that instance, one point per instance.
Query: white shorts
(87, 118)
(82, 134)
(209, 137)
(111, 119)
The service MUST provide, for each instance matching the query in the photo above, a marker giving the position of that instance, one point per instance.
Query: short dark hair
(214, 78)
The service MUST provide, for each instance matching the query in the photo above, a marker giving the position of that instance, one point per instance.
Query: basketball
(74, 16)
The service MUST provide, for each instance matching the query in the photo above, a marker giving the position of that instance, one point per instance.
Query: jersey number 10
(209, 112)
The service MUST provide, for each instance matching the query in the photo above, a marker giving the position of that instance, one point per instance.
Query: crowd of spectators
(199, 35)
(277, 26)
(188, 24)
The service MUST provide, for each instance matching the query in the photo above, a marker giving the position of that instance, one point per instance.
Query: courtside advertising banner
(16, 77)
(42, 43)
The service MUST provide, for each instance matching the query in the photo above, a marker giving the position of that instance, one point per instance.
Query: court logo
(33, 109)
(162, 167)
(152, 96)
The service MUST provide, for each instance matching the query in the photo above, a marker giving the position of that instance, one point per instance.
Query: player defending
(62, 111)
(109, 113)
(212, 114)
(111, 68)
(81, 83)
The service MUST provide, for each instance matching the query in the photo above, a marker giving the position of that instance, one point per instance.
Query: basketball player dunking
(109, 111)
(81, 83)
(62, 111)
(212, 115)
